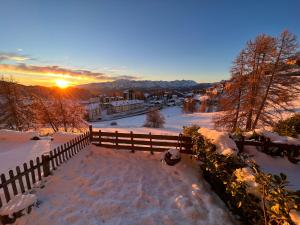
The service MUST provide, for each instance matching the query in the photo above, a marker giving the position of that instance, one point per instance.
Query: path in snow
(104, 186)
(175, 120)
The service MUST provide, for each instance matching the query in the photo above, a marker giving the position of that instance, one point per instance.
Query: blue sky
(158, 40)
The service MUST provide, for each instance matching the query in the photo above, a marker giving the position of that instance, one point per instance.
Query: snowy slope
(174, 117)
(102, 186)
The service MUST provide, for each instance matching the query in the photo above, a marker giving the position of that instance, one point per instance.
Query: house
(124, 105)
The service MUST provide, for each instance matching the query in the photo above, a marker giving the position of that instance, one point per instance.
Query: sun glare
(62, 83)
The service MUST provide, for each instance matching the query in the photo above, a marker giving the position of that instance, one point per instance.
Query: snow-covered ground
(104, 186)
(174, 118)
(17, 148)
(276, 166)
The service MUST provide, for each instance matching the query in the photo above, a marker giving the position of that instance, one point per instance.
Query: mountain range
(123, 84)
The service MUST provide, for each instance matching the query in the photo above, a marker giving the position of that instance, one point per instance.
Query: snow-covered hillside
(174, 118)
(102, 186)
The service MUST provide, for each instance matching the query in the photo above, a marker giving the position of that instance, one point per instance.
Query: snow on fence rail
(271, 148)
(22, 181)
(140, 142)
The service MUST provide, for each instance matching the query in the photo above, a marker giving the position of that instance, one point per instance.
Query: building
(124, 105)
(94, 111)
(128, 95)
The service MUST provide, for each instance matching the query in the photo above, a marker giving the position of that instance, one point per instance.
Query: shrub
(271, 204)
(114, 123)
(288, 127)
(191, 130)
(154, 119)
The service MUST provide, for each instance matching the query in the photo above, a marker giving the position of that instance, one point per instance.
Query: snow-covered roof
(126, 102)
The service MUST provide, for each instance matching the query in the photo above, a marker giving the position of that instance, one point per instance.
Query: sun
(62, 83)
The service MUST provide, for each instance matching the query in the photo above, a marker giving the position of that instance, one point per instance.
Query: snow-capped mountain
(141, 84)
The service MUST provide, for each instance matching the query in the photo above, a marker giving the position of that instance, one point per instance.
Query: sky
(96, 41)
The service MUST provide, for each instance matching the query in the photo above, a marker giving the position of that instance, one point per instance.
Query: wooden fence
(23, 180)
(140, 142)
(271, 148)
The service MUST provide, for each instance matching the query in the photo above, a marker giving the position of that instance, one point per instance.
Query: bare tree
(154, 119)
(259, 89)
(44, 113)
(14, 107)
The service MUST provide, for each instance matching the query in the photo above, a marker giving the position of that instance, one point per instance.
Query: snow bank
(246, 175)
(275, 137)
(18, 203)
(61, 136)
(225, 145)
(20, 136)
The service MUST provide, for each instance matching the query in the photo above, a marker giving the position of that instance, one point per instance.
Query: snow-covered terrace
(104, 186)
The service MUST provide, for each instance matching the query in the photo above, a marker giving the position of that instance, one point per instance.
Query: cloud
(13, 57)
(126, 77)
(57, 71)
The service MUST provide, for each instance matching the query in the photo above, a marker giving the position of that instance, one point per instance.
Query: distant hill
(73, 93)
(143, 85)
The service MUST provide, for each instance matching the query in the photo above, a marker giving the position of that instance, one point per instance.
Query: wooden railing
(271, 148)
(24, 179)
(141, 142)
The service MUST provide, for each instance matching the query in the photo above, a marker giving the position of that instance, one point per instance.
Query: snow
(275, 137)
(12, 135)
(224, 144)
(17, 148)
(18, 203)
(276, 166)
(61, 136)
(175, 153)
(175, 120)
(246, 175)
(295, 216)
(105, 186)
(126, 102)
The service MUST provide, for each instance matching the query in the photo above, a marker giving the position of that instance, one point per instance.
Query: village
(149, 112)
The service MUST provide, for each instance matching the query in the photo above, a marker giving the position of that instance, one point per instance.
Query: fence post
(46, 164)
(150, 137)
(5, 188)
(117, 140)
(241, 147)
(91, 132)
(132, 143)
(99, 137)
(180, 142)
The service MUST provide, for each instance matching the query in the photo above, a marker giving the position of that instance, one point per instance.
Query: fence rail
(24, 179)
(140, 142)
(271, 148)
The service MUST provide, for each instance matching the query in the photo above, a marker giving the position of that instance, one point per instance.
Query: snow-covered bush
(224, 144)
(256, 197)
